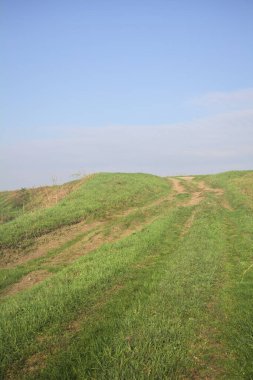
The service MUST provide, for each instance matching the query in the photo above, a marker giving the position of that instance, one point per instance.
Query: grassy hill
(128, 276)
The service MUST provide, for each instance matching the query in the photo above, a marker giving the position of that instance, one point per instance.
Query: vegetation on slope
(165, 291)
(17, 202)
(98, 197)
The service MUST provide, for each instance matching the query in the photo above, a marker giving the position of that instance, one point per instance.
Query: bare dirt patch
(26, 282)
(61, 236)
(177, 185)
(195, 199)
(198, 195)
(79, 249)
(46, 243)
(12, 257)
(84, 247)
(35, 362)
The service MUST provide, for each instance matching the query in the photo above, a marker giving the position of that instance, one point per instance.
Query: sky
(163, 87)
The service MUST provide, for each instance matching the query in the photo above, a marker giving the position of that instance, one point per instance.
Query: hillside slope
(131, 276)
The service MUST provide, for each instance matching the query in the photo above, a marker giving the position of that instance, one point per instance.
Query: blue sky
(158, 86)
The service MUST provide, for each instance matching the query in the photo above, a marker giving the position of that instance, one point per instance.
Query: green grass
(173, 300)
(99, 197)
(238, 187)
(18, 202)
(153, 334)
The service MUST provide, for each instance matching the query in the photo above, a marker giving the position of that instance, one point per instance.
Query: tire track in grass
(71, 252)
(50, 241)
(22, 274)
(96, 242)
(47, 243)
(51, 345)
(237, 295)
(151, 328)
(142, 252)
(26, 282)
(175, 267)
(186, 289)
(214, 343)
(188, 223)
(76, 241)
(212, 355)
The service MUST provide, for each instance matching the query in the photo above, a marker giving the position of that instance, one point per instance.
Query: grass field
(128, 276)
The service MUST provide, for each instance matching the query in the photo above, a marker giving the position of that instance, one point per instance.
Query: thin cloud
(239, 99)
(212, 144)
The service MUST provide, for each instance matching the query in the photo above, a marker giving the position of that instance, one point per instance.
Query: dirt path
(93, 241)
(46, 243)
(63, 235)
(84, 247)
(177, 186)
(96, 241)
(198, 195)
(26, 282)
(70, 255)
(54, 239)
